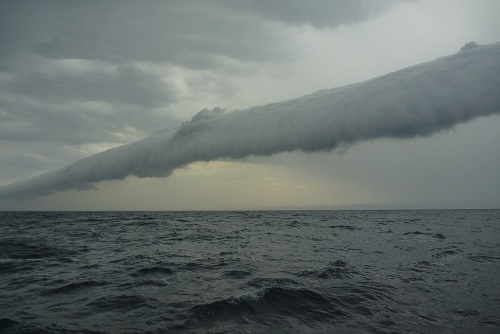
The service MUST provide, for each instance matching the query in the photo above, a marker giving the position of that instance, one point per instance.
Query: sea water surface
(434, 271)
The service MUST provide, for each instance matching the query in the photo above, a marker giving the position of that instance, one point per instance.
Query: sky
(78, 78)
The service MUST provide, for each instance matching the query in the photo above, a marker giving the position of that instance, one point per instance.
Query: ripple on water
(335, 270)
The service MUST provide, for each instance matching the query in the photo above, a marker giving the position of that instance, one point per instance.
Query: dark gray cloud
(193, 34)
(418, 101)
(125, 85)
(317, 13)
(74, 106)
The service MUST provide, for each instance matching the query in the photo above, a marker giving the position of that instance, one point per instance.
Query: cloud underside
(416, 101)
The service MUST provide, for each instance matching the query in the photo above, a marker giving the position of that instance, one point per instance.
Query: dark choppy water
(250, 272)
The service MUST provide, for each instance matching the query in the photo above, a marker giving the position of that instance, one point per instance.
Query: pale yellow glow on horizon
(216, 185)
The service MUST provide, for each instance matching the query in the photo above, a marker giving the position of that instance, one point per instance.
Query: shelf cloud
(416, 101)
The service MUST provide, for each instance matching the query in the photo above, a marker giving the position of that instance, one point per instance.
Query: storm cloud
(417, 101)
(81, 73)
(189, 33)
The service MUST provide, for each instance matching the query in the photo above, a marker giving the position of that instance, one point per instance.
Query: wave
(238, 274)
(418, 233)
(121, 303)
(263, 282)
(285, 301)
(157, 270)
(448, 252)
(484, 258)
(10, 266)
(345, 227)
(299, 304)
(336, 270)
(24, 250)
(11, 326)
(73, 287)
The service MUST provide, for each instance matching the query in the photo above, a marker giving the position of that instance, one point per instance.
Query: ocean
(435, 271)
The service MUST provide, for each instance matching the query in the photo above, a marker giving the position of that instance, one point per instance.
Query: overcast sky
(77, 78)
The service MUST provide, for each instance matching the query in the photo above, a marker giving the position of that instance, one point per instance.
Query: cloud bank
(416, 101)
(97, 74)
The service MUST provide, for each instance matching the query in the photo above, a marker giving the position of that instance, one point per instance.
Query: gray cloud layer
(88, 72)
(318, 13)
(191, 33)
(416, 101)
